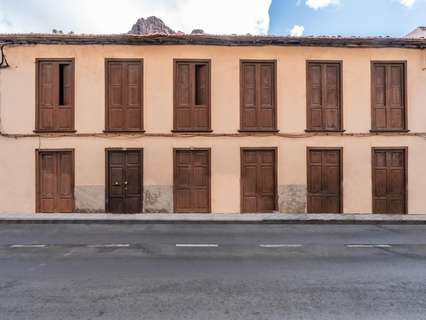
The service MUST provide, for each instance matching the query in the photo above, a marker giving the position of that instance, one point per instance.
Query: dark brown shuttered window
(124, 95)
(389, 96)
(258, 96)
(55, 95)
(192, 95)
(324, 98)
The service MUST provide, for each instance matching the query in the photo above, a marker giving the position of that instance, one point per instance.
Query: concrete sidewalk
(275, 218)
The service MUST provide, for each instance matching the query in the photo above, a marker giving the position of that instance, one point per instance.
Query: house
(205, 123)
(419, 32)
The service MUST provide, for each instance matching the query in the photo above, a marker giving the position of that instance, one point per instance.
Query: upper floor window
(124, 95)
(324, 98)
(389, 96)
(191, 95)
(258, 96)
(55, 95)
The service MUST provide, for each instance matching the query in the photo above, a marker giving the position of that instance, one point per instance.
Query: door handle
(116, 183)
(126, 183)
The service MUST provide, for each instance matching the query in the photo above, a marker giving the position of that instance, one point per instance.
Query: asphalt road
(196, 271)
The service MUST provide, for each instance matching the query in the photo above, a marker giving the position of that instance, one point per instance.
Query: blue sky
(313, 17)
(348, 17)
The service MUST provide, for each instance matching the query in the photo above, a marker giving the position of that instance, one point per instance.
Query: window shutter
(192, 96)
(133, 93)
(249, 97)
(314, 97)
(395, 103)
(47, 100)
(116, 96)
(379, 98)
(124, 95)
(266, 120)
(388, 96)
(258, 108)
(323, 96)
(55, 95)
(183, 102)
(64, 111)
(332, 97)
(200, 119)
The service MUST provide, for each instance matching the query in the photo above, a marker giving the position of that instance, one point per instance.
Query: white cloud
(118, 16)
(407, 3)
(320, 4)
(297, 31)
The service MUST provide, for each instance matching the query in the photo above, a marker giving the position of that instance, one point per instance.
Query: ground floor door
(389, 180)
(258, 180)
(324, 180)
(191, 180)
(55, 181)
(124, 181)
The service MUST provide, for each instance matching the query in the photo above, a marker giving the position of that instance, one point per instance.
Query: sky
(278, 17)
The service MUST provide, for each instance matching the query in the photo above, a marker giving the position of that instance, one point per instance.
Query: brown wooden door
(258, 96)
(124, 181)
(389, 181)
(389, 96)
(124, 87)
(324, 180)
(258, 180)
(192, 180)
(55, 177)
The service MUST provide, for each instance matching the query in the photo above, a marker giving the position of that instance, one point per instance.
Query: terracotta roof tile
(209, 39)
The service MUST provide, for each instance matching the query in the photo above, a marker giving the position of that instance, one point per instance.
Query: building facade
(211, 124)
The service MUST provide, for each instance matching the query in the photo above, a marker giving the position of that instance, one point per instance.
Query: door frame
(107, 151)
(37, 173)
(275, 150)
(405, 152)
(175, 150)
(308, 173)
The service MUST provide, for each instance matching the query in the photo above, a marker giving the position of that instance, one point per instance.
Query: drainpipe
(3, 64)
(424, 59)
(1, 125)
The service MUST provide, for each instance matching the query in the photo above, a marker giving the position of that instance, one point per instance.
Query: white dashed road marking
(197, 245)
(28, 246)
(368, 246)
(281, 245)
(112, 245)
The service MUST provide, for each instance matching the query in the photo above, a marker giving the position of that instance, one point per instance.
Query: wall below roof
(17, 98)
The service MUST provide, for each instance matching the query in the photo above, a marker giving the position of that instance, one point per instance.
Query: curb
(244, 219)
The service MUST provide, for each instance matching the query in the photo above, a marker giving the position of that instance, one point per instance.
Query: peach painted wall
(17, 112)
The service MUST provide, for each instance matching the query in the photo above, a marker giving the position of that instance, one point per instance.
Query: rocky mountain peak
(150, 25)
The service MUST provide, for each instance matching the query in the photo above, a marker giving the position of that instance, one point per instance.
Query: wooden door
(324, 180)
(389, 181)
(192, 180)
(258, 180)
(124, 181)
(55, 181)
(124, 95)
